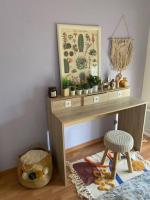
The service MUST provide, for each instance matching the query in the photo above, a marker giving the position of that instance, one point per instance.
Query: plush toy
(35, 168)
(103, 179)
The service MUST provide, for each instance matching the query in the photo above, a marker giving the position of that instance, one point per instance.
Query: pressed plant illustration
(79, 52)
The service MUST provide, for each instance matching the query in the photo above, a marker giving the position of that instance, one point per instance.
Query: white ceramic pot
(72, 92)
(90, 90)
(79, 92)
(86, 91)
(95, 88)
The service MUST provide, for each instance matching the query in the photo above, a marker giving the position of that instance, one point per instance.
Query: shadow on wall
(27, 126)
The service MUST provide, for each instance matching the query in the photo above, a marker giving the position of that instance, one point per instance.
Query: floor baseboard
(7, 171)
(147, 133)
(69, 150)
(86, 144)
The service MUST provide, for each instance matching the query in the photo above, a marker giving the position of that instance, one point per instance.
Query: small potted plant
(94, 81)
(65, 85)
(72, 90)
(86, 87)
(79, 89)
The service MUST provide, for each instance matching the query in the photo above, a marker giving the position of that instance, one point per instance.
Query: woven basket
(35, 168)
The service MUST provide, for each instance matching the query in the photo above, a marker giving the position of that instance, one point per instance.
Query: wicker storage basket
(35, 168)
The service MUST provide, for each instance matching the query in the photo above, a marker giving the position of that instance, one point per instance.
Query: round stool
(118, 142)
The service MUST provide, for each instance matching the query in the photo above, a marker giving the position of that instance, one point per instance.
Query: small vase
(79, 92)
(86, 91)
(95, 88)
(66, 92)
(124, 82)
(72, 92)
(90, 90)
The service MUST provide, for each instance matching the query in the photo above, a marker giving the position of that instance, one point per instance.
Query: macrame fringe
(121, 53)
(80, 186)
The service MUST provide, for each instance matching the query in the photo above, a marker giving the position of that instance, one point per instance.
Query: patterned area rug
(127, 186)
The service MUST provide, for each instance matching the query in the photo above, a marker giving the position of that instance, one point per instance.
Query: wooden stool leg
(119, 156)
(129, 162)
(104, 156)
(114, 164)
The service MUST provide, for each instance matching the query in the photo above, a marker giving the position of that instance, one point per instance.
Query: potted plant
(65, 85)
(79, 89)
(85, 87)
(72, 90)
(94, 81)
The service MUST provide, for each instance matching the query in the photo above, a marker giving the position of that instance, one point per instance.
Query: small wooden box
(96, 98)
(119, 93)
(61, 104)
(103, 97)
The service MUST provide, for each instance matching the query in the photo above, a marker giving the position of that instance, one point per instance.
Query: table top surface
(81, 114)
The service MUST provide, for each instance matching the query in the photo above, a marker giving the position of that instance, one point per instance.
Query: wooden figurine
(118, 79)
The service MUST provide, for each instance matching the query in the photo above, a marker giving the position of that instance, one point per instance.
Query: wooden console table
(131, 119)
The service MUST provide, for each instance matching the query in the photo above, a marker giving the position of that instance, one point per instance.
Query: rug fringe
(79, 184)
(81, 188)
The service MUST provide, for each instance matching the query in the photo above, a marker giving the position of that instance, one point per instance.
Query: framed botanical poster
(79, 51)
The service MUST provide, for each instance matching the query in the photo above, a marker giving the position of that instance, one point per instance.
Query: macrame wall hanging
(121, 49)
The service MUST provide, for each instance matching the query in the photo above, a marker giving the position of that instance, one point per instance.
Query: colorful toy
(35, 168)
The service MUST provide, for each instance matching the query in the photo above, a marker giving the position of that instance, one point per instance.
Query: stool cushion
(118, 141)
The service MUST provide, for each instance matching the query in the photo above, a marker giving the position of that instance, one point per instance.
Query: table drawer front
(67, 103)
(88, 100)
(119, 94)
(126, 92)
(104, 97)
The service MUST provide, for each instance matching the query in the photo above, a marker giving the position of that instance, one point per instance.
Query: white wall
(146, 82)
(29, 64)
(146, 88)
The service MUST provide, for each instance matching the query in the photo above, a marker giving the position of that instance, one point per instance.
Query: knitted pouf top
(118, 141)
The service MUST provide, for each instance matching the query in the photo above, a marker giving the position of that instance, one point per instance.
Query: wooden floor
(11, 190)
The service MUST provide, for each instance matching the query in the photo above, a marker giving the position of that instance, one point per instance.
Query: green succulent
(80, 42)
(86, 86)
(72, 88)
(93, 80)
(92, 52)
(66, 83)
(67, 46)
(81, 62)
(79, 87)
(66, 66)
(66, 53)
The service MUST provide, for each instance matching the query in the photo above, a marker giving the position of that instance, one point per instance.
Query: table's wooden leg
(58, 148)
(132, 121)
